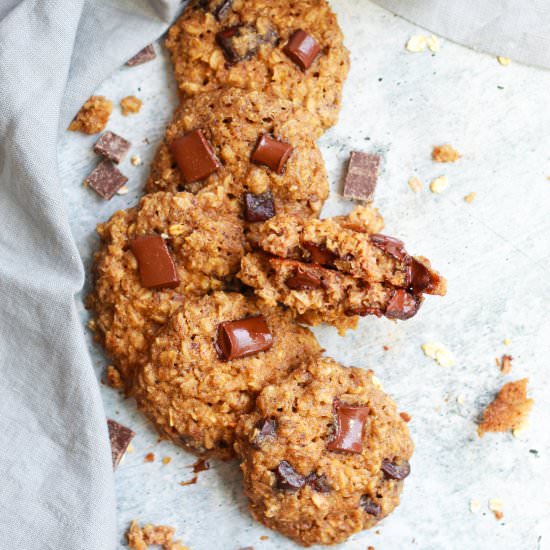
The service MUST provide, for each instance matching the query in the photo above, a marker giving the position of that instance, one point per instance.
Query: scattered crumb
(438, 185)
(445, 153)
(405, 416)
(469, 198)
(264, 537)
(460, 399)
(149, 457)
(475, 506)
(371, 548)
(113, 378)
(433, 43)
(504, 61)
(505, 363)
(130, 104)
(509, 410)
(415, 184)
(135, 160)
(192, 481)
(438, 352)
(93, 115)
(130, 449)
(496, 506)
(124, 190)
(139, 538)
(417, 43)
(167, 460)
(386, 348)
(506, 341)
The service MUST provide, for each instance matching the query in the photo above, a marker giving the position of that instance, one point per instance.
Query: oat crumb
(496, 506)
(114, 379)
(439, 353)
(130, 104)
(167, 460)
(417, 43)
(505, 364)
(264, 537)
(506, 341)
(475, 506)
(460, 399)
(469, 198)
(438, 185)
(433, 43)
(504, 61)
(149, 457)
(130, 449)
(415, 184)
(445, 153)
(135, 160)
(140, 538)
(93, 115)
(124, 190)
(405, 416)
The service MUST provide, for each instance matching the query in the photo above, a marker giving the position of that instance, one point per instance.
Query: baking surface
(495, 253)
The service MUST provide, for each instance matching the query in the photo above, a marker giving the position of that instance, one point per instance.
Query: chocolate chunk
(106, 179)
(156, 266)
(243, 337)
(319, 254)
(350, 425)
(402, 305)
(258, 208)
(147, 54)
(195, 156)
(272, 153)
(396, 471)
(265, 429)
(120, 437)
(241, 42)
(288, 479)
(318, 483)
(361, 176)
(370, 506)
(303, 279)
(421, 279)
(201, 465)
(303, 49)
(394, 247)
(112, 147)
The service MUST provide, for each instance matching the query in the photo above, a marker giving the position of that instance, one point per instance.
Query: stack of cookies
(202, 290)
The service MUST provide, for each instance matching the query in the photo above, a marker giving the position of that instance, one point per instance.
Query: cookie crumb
(192, 481)
(438, 185)
(264, 537)
(167, 460)
(93, 115)
(505, 363)
(445, 153)
(433, 43)
(439, 353)
(149, 457)
(135, 160)
(469, 198)
(140, 538)
(475, 506)
(496, 506)
(124, 190)
(130, 104)
(405, 416)
(460, 399)
(504, 61)
(114, 379)
(417, 43)
(506, 341)
(509, 410)
(415, 184)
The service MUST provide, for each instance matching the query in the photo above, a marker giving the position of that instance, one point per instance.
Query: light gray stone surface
(495, 253)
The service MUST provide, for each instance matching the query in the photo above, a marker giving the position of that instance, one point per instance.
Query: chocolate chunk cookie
(324, 453)
(337, 269)
(152, 257)
(240, 149)
(210, 361)
(293, 50)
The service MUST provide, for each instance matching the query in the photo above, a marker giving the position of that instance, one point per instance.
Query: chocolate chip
(272, 153)
(396, 471)
(265, 429)
(195, 156)
(120, 437)
(319, 254)
(106, 179)
(402, 305)
(318, 483)
(303, 49)
(370, 506)
(394, 247)
(241, 42)
(350, 425)
(288, 479)
(147, 54)
(112, 146)
(361, 177)
(243, 337)
(421, 279)
(156, 266)
(303, 279)
(258, 208)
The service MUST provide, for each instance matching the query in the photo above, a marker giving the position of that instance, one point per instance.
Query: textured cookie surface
(206, 248)
(233, 121)
(195, 397)
(263, 29)
(296, 481)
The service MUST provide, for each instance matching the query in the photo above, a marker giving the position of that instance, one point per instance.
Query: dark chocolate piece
(241, 42)
(394, 247)
(319, 254)
(402, 305)
(201, 465)
(303, 49)
(156, 265)
(266, 429)
(370, 506)
(195, 156)
(395, 471)
(303, 279)
(147, 54)
(318, 483)
(288, 479)
(112, 147)
(272, 153)
(350, 425)
(258, 208)
(120, 437)
(243, 337)
(106, 179)
(421, 279)
(361, 177)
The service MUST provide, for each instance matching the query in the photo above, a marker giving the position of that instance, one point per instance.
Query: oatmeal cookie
(336, 269)
(195, 250)
(235, 127)
(324, 453)
(208, 364)
(293, 50)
